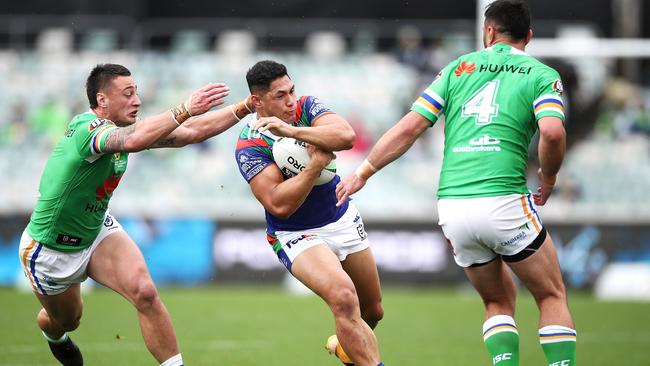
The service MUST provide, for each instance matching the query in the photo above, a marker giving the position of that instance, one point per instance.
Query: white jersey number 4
(482, 105)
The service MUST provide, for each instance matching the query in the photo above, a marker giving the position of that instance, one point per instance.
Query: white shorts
(480, 229)
(344, 237)
(50, 271)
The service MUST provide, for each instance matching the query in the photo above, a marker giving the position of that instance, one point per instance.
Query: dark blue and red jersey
(254, 153)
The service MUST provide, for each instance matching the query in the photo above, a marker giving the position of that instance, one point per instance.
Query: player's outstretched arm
(393, 144)
(329, 132)
(200, 128)
(551, 148)
(144, 133)
(280, 197)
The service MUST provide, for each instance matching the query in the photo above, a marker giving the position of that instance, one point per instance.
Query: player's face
(280, 100)
(122, 100)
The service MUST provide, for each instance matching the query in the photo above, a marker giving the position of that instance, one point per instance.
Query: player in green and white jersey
(494, 101)
(72, 236)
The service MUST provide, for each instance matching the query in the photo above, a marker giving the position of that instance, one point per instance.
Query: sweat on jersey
(491, 100)
(76, 185)
(254, 153)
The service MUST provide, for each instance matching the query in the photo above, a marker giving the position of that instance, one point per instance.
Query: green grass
(243, 326)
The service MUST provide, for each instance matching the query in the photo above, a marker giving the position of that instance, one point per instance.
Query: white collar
(513, 50)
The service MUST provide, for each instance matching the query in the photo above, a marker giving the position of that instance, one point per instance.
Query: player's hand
(274, 125)
(545, 188)
(319, 157)
(348, 186)
(207, 97)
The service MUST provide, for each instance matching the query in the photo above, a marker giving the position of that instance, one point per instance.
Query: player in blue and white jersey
(322, 245)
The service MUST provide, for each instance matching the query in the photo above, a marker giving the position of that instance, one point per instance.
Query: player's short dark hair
(510, 17)
(261, 75)
(100, 77)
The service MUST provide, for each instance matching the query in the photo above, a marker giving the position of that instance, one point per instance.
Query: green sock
(559, 345)
(502, 340)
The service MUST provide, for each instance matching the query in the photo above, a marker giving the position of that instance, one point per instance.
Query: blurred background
(194, 216)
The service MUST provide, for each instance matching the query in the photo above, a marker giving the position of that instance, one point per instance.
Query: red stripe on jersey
(241, 144)
(302, 100)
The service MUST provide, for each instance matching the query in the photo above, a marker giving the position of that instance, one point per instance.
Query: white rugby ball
(291, 156)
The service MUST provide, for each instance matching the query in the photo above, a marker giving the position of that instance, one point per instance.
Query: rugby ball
(292, 157)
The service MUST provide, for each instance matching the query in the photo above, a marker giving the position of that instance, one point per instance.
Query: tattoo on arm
(116, 140)
(170, 141)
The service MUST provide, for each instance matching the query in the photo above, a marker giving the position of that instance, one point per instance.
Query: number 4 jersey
(491, 100)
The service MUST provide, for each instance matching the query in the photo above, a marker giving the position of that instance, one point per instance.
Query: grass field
(243, 326)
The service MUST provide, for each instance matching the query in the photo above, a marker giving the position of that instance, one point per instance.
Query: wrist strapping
(181, 113)
(232, 109)
(365, 170)
(247, 107)
(240, 110)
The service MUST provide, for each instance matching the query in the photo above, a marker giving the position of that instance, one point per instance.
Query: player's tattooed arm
(177, 138)
(117, 139)
(169, 141)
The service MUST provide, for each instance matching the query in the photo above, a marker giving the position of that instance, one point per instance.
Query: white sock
(174, 361)
(498, 324)
(63, 338)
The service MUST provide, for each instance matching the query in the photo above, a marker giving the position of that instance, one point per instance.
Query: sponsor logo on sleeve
(316, 107)
(253, 172)
(250, 165)
(96, 123)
